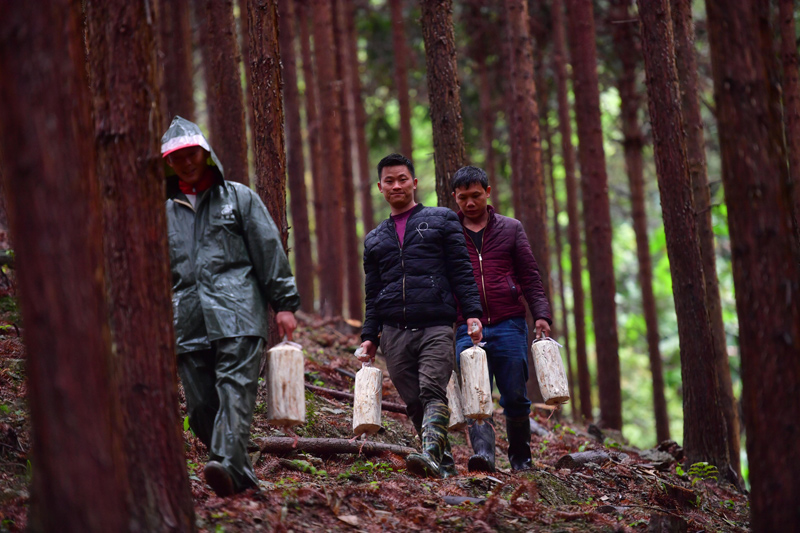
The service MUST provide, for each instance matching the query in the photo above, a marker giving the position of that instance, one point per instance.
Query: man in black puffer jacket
(416, 264)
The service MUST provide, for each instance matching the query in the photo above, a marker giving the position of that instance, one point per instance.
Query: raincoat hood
(183, 133)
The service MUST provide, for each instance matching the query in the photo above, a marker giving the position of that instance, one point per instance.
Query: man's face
(188, 163)
(472, 200)
(397, 186)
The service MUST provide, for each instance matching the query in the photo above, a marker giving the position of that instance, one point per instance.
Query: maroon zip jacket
(506, 271)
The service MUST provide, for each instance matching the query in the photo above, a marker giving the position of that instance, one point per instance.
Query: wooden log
(550, 371)
(574, 460)
(477, 389)
(282, 445)
(341, 395)
(286, 400)
(454, 400)
(367, 400)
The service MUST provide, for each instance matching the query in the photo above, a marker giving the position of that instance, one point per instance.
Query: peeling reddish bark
(766, 255)
(574, 229)
(176, 59)
(596, 211)
(401, 76)
(791, 98)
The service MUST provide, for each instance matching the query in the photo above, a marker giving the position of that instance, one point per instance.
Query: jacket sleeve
(527, 272)
(459, 268)
(269, 260)
(372, 286)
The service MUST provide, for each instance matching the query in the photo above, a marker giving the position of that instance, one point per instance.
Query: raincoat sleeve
(527, 271)
(372, 285)
(459, 268)
(269, 260)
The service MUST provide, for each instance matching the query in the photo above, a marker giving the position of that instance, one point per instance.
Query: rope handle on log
(538, 339)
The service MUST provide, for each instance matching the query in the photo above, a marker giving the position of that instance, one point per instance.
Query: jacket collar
(490, 222)
(174, 190)
(414, 210)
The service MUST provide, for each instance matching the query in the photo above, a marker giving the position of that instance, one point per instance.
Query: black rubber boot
(434, 441)
(519, 442)
(481, 435)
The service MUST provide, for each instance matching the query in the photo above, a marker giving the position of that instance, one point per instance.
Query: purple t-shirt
(400, 224)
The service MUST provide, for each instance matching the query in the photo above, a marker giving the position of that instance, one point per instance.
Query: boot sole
(218, 479)
(477, 463)
(421, 468)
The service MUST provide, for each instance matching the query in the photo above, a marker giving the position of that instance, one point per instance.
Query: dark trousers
(420, 362)
(220, 385)
(507, 354)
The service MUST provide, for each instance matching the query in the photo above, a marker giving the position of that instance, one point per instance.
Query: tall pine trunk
(766, 273)
(174, 21)
(314, 143)
(574, 229)
(443, 91)
(268, 143)
(686, 61)
(353, 262)
(791, 97)
(50, 182)
(596, 211)
(224, 100)
(401, 76)
(303, 264)
(364, 175)
(333, 259)
(627, 47)
(124, 76)
(704, 429)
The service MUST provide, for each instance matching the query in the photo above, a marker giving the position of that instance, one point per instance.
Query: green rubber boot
(434, 441)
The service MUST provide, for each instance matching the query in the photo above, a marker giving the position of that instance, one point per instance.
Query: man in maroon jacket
(505, 271)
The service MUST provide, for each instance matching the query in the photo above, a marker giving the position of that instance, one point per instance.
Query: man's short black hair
(466, 176)
(395, 160)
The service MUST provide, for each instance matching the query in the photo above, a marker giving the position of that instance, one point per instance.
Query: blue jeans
(507, 354)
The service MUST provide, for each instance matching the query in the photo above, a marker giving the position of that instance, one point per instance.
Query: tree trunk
(332, 260)
(628, 50)
(269, 150)
(704, 430)
(596, 212)
(176, 52)
(686, 62)
(401, 76)
(364, 175)
(123, 68)
(791, 98)
(303, 264)
(525, 138)
(765, 253)
(355, 287)
(79, 481)
(314, 143)
(224, 101)
(574, 229)
(443, 91)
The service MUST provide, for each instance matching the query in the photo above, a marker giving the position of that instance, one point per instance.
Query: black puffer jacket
(414, 286)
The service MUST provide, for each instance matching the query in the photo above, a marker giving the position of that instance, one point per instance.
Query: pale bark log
(286, 400)
(550, 371)
(456, 403)
(367, 401)
(477, 390)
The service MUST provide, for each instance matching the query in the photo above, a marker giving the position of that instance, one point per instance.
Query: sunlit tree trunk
(332, 260)
(401, 76)
(224, 88)
(686, 61)
(355, 287)
(176, 59)
(124, 75)
(304, 266)
(596, 211)
(791, 98)
(365, 177)
(79, 478)
(574, 229)
(704, 430)
(627, 48)
(766, 256)
(443, 91)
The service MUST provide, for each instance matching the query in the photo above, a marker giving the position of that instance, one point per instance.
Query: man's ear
(415, 184)
(488, 190)
(379, 187)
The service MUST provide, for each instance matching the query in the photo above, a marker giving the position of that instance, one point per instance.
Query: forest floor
(623, 492)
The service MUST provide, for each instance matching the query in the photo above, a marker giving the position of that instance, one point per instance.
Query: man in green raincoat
(227, 264)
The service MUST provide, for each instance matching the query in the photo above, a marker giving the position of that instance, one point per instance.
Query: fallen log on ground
(574, 460)
(341, 395)
(279, 445)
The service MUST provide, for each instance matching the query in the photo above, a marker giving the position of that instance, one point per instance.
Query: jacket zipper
(483, 281)
(403, 268)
